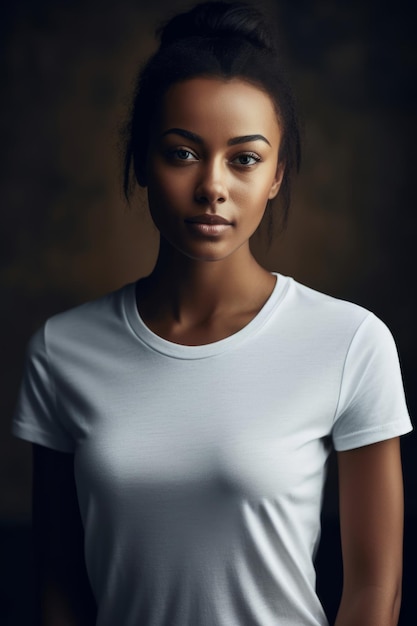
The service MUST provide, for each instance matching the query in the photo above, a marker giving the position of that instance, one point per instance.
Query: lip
(207, 229)
(209, 219)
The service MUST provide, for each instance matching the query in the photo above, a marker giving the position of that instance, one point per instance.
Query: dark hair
(221, 39)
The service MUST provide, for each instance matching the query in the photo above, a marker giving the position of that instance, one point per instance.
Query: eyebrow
(197, 139)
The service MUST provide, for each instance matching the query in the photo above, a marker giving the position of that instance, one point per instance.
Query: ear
(276, 184)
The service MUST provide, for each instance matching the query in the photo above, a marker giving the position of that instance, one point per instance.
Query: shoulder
(311, 300)
(335, 326)
(324, 314)
(82, 325)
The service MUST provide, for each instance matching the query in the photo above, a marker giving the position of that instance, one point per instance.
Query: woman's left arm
(371, 522)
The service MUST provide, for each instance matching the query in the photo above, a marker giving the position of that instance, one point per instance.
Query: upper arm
(63, 593)
(371, 516)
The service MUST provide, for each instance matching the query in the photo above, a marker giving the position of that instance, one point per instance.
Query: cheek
(255, 195)
(168, 200)
(168, 187)
(160, 195)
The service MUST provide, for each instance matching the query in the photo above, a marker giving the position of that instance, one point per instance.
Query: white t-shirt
(200, 469)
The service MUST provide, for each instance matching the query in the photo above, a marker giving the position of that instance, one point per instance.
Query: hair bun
(215, 20)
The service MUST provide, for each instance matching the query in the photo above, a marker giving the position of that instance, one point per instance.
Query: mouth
(208, 225)
(209, 219)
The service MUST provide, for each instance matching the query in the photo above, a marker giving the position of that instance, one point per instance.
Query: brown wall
(66, 234)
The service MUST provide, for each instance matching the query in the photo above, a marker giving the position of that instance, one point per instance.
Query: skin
(205, 287)
(371, 518)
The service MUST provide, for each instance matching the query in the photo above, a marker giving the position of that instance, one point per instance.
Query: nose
(212, 187)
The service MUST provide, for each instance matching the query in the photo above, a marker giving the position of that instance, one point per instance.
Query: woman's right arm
(63, 594)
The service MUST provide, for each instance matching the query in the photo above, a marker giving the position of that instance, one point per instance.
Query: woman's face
(212, 165)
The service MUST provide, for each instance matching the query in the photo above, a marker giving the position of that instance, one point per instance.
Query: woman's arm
(63, 595)
(371, 519)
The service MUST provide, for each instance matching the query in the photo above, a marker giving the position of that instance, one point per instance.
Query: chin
(207, 258)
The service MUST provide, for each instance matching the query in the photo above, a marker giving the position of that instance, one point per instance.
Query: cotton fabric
(200, 469)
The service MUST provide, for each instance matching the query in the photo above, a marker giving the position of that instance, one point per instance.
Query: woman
(182, 425)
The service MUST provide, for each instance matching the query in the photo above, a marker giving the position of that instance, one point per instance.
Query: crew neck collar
(181, 351)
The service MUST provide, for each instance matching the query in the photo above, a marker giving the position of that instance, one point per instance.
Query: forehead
(214, 106)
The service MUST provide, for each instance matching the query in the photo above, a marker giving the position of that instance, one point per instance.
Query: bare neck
(188, 291)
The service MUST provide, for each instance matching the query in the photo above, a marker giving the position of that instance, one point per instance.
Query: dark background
(66, 235)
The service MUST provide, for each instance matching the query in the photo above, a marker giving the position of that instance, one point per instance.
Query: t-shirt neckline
(181, 351)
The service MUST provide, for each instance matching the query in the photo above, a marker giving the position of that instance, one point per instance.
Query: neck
(186, 289)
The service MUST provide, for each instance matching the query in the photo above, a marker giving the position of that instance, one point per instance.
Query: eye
(247, 159)
(181, 154)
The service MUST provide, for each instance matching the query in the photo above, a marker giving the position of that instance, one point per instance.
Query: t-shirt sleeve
(372, 404)
(36, 418)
